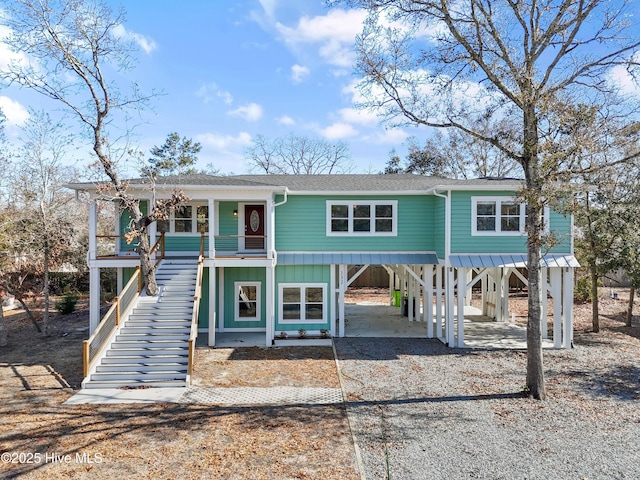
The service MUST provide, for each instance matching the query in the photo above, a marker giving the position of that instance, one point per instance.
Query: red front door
(254, 227)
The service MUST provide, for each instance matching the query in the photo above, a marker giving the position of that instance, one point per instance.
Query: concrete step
(142, 367)
(146, 359)
(137, 376)
(156, 351)
(141, 346)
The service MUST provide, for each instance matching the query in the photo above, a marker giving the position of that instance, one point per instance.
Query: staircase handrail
(194, 316)
(97, 342)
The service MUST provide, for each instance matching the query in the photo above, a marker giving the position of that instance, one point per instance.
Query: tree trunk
(45, 291)
(595, 313)
(632, 292)
(148, 269)
(534, 199)
(535, 368)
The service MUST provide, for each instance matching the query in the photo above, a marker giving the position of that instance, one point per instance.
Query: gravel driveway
(419, 410)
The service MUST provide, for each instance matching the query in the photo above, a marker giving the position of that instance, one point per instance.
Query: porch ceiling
(356, 258)
(511, 260)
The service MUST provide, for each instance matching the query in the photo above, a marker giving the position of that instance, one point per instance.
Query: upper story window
(191, 218)
(500, 216)
(362, 217)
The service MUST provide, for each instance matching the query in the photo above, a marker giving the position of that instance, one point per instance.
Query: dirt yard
(45, 439)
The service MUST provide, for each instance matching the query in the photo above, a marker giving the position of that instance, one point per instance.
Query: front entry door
(254, 227)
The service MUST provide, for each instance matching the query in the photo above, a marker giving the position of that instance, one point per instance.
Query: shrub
(582, 289)
(67, 305)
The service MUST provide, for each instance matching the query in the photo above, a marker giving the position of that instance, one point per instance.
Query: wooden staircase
(152, 347)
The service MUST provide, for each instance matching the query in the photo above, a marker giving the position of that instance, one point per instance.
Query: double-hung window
(192, 218)
(303, 303)
(247, 301)
(497, 216)
(357, 218)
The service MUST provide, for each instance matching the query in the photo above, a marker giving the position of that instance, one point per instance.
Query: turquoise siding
(301, 225)
(184, 243)
(462, 240)
(227, 226)
(440, 209)
(203, 315)
(303, 274)
(125, 218)
(243, 274)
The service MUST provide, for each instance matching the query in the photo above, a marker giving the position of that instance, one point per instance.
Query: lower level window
(247, 301)
(301, 303)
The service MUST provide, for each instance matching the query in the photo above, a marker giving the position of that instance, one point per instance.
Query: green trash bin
(396, 298)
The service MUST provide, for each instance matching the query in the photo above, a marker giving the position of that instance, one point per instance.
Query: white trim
(194, 220)
(497, 201)
(236, 303)
(372, 218)
(303, 303)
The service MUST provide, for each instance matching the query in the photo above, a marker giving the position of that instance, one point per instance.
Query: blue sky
(231, 70)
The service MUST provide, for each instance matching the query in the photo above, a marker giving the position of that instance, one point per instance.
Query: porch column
(505, 294)
(94, 298)
(497, 278)
(567, 297)
(556, 292)
(439, 301)
(333, 295)
(342, 287)
(449, 294)
(212, 303)
(93, 230)
(270, 231)
(427, 276)
(116, 231)
(468, 277)
(270, 305)
(410, 295)
(462, 295)
(544, 304)
(212, 228)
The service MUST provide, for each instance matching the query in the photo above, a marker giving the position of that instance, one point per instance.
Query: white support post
(270, 306)
(544, 305)
(93, 230)
(152, 238)
(439, 301)
(484, 287)
(212, 304)
(94, 298)
(462, 295)
(411, 283)
(505, 294)
(391, 287)
(332, 301)
(342, 287)
(270, 243)
(567, 297)
(468, 277)
(449, 294)
(427, 275)
(212, 228)
(221, 299)
(116, 230)
(556, 293)
(498, 302)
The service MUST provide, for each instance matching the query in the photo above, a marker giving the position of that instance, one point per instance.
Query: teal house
(271, 255)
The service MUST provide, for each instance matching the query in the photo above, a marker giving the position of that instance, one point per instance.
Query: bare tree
(78, 58)
(444, 64)
(298, 155)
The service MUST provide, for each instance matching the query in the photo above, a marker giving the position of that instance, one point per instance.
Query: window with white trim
(500, 216)
(247, 301)
(358, 217)
(192, 218)
(303, 303)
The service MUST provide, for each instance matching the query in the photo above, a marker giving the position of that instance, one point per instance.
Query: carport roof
(511, 260)
(356, 258)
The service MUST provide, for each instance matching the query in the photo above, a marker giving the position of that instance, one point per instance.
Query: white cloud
(6, 54)
(250, 112)
(623, 80)
(358, 116)
(334, 32)
(210, 90)
(145, 43)
(15, 113)
(338, 131)
(269, 6)
(285, 120)
(222, 142)
(392, 136)
(298, 73)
